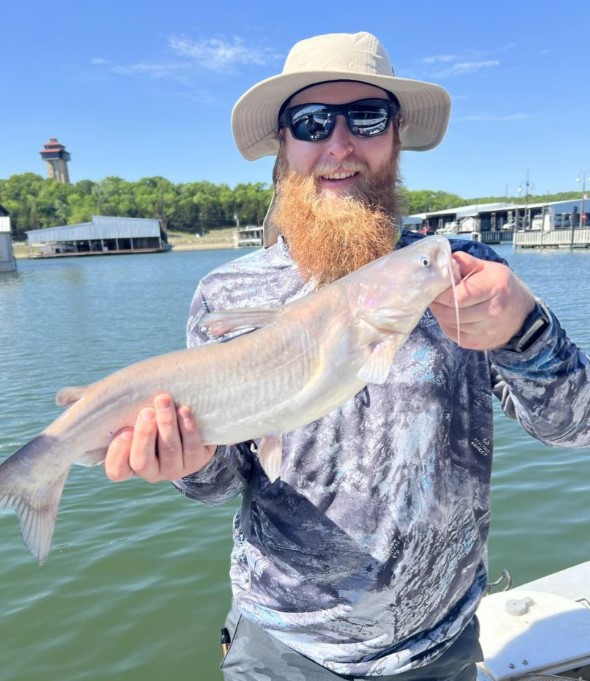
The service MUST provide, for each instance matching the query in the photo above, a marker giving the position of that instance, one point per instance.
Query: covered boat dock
(104, 235)
(530, 225)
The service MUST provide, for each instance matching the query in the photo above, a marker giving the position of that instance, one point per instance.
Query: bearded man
(367, 556)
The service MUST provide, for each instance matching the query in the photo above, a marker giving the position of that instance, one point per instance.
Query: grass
(216, 238)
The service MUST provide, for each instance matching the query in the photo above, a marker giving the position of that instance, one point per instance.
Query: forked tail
(34, 497)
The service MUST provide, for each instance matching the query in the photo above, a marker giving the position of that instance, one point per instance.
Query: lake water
(136, 587)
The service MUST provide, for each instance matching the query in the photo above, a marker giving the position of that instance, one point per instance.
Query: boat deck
(539, 629)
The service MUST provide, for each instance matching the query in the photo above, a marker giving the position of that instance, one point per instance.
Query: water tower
(56, 159)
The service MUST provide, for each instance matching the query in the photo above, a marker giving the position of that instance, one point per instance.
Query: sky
(143, 88)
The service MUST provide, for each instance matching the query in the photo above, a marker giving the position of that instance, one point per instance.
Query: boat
(537, 631)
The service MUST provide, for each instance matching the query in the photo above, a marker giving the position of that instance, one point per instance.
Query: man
(367, 558)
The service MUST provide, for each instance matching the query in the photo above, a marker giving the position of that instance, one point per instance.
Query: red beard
(331, 235)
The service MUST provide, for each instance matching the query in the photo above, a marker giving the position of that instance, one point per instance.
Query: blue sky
(136, 89)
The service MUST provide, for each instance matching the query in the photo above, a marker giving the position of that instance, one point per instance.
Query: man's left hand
(493, 304)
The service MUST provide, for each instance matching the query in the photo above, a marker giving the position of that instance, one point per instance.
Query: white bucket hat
(425, 107)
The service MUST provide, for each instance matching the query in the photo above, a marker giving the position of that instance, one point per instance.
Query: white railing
(558, 238)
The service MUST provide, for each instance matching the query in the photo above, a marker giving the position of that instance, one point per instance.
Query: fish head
(392, 292)
(424, 268)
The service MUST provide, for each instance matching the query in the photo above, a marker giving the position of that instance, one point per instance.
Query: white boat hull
(538, 629)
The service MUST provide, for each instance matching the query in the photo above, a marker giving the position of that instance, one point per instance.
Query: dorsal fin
(69, 395)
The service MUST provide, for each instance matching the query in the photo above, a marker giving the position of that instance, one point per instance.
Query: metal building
(103, 236)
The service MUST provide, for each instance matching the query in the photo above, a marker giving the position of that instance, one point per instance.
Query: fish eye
(425, 261)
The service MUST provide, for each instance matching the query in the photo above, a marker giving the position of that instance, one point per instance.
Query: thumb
(468, 264)
(464, 266)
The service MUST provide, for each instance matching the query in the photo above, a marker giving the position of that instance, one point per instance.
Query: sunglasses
(315, 122)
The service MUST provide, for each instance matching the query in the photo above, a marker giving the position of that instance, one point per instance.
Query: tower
(56, 159)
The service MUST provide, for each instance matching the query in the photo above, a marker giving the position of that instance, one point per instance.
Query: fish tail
(35, 504)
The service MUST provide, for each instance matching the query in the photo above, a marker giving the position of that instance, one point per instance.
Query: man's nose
(341, 140)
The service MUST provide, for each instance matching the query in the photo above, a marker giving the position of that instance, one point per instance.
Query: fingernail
(164, 403)
(126, 435)
(148, 415)
(185, 414)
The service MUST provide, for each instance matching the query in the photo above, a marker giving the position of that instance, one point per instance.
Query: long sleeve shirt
(368, 555)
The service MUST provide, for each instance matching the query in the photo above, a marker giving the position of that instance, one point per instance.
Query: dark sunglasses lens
(368, 120)
(310, 126)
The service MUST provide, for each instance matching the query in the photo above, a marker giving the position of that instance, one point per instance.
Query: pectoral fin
(270, 454)
(223, 321)
(376, 368)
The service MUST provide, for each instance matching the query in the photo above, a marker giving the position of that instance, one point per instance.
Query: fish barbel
(302, 361)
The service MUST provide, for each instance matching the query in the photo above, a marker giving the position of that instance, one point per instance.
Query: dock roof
(101, 227)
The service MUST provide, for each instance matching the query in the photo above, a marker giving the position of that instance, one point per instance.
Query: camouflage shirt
(368, 555)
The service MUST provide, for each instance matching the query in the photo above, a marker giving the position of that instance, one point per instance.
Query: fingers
(116, 463)
(165, 444)
(143, 459)
(169, 463)
(492, 302)
(196, 455)
(464, 267)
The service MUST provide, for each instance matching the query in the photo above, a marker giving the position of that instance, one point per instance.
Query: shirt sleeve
(546, 388)
(222, 479)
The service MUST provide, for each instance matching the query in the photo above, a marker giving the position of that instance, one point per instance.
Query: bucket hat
(425, 107)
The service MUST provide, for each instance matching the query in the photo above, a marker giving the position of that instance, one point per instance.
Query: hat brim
(425, 109)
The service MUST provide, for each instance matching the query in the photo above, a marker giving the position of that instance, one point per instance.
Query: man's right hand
(164, 444)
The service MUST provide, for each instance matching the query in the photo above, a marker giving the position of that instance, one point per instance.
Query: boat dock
(555, 238)
(105, 235)
(554, 224)
(248, 237)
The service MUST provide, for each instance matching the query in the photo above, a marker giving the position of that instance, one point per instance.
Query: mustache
(329, 169)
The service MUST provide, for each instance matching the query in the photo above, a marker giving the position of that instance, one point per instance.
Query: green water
(136, 587)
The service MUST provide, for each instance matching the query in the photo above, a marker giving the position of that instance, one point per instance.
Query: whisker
(457, 320)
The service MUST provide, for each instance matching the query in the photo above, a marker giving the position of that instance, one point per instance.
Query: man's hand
(165, 444)
(493, 304)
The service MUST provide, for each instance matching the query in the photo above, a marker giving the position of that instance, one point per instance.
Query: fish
(284, 367)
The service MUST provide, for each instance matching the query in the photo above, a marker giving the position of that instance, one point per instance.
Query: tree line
(35, 202)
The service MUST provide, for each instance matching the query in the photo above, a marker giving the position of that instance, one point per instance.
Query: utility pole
(582, 177)
(527, 187)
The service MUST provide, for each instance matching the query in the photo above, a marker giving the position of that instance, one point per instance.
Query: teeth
(338, 176)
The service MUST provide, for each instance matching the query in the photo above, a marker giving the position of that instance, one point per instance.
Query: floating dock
(556, 238)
